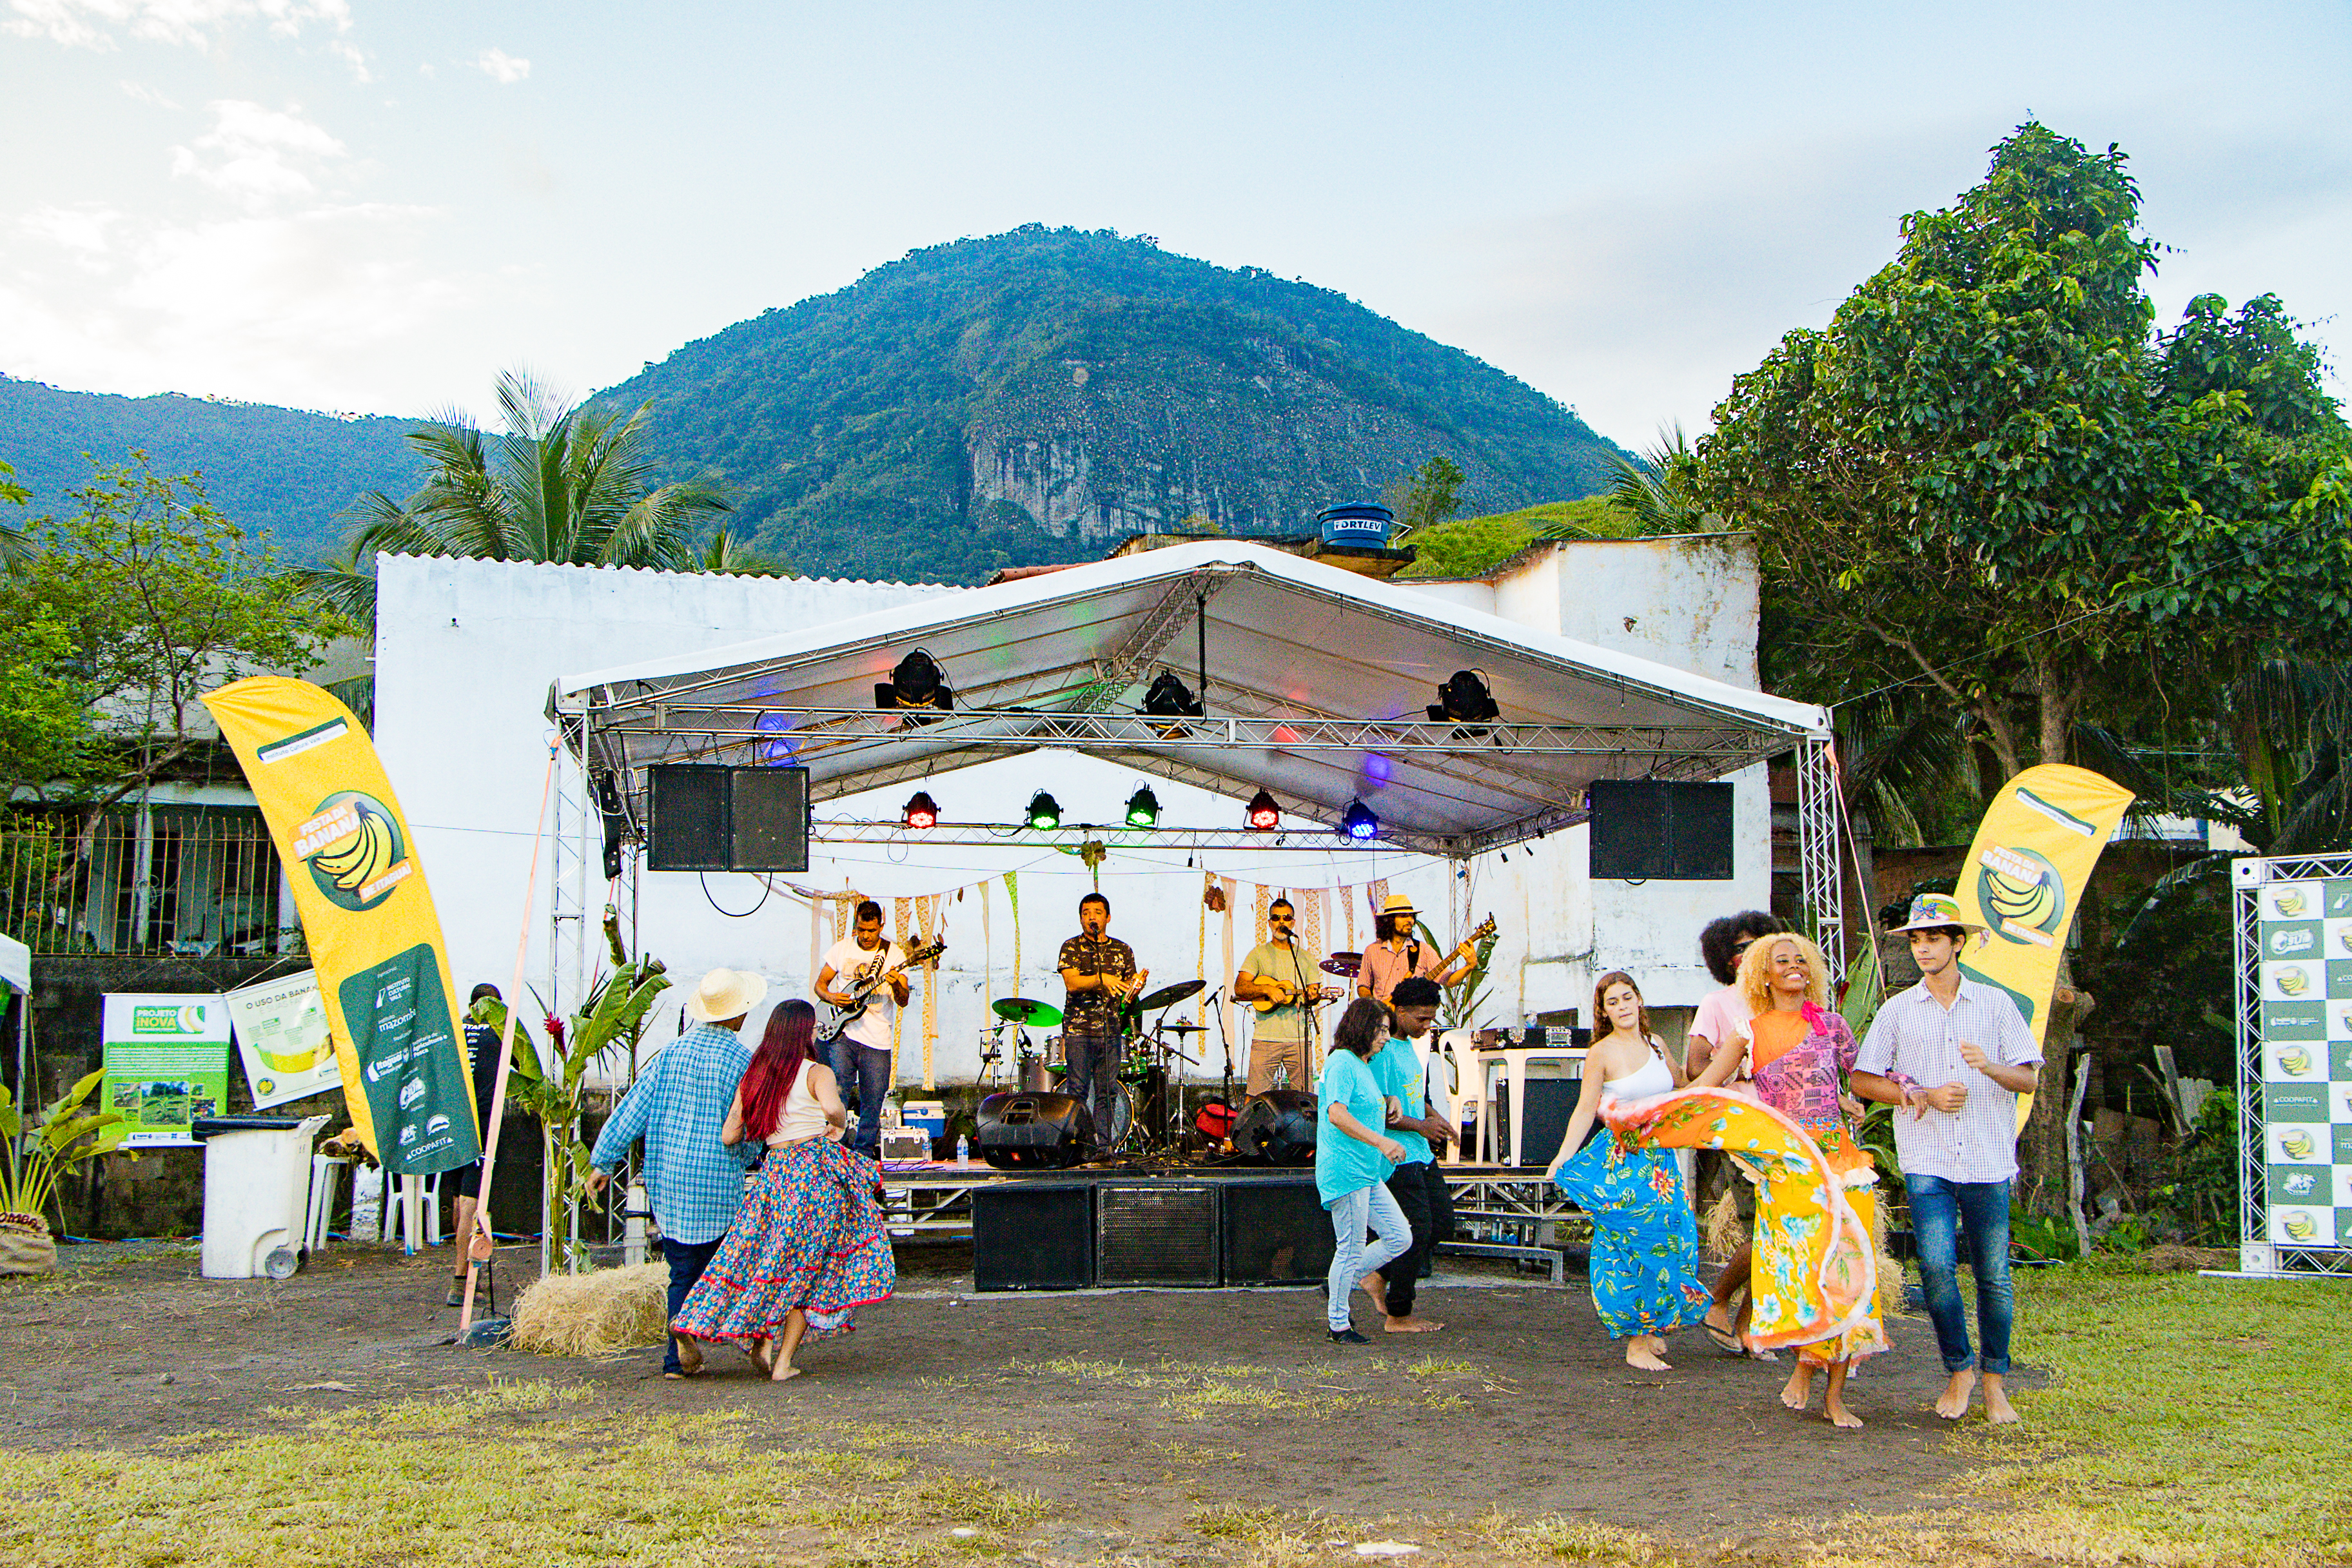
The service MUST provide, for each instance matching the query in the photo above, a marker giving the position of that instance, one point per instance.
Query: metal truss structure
(1820, 866)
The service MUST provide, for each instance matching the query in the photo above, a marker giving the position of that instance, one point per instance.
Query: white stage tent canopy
(1318, 683)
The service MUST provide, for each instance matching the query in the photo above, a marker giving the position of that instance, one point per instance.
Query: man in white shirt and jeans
(861, 1052)
(1955, 1053)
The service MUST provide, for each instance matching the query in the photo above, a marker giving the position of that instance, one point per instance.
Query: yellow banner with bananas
(366, 916)
(2024, 877)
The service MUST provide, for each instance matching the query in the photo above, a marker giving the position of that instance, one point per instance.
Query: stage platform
(1500, 1211)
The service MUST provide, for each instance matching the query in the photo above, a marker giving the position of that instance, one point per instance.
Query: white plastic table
(1512, 1061)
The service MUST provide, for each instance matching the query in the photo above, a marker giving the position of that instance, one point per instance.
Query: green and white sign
(281, 1033)
(166, 1061)
(2302, 1111)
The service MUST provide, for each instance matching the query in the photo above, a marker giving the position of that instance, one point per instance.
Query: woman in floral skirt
(809, 1246)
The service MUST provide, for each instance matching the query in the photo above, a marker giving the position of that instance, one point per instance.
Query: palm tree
(1656, 487)
(565, 483)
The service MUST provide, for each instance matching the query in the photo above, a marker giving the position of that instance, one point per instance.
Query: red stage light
(1265, 816)
(921, 811)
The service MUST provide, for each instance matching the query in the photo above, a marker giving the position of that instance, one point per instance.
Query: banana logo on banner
(2024, 877)
(367, 918)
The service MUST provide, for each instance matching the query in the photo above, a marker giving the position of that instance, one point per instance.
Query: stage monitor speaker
(1275, 1231)
(1278, 1128)
(1029, 1130)
(1644, 830)
(707, 817)
(1156, 1233)
(1551, 1102)
(1033, 1235)
(687, 806)
(768, 811)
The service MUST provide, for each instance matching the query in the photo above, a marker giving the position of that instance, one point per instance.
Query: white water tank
(256, 1193)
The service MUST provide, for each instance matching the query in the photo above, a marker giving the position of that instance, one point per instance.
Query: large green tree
(1989, 476)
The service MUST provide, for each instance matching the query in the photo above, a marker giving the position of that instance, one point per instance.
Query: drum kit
(1144, 1113)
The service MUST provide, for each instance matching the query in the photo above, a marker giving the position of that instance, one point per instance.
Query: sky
(363, 206)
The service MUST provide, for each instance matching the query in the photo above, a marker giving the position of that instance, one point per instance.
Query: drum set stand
(1147, 1115)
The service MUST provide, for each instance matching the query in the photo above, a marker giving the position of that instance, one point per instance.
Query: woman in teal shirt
(1353, 1161)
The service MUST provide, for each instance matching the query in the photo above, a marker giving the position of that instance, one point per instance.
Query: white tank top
(1652, 1078)
(804, 1117)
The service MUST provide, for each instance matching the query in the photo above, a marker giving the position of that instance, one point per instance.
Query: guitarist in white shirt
(863, 965)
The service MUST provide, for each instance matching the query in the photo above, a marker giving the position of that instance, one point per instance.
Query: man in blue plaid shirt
(679, 1107)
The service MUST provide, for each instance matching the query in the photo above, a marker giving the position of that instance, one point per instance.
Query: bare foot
(1411, 1326)
(1642, 1353)
(1998, 1410)
(1953, 1403)
(759, 1352)
(1834, 1407)
(1798, 1392)
(690, 1356)
(1377, 1288)
(784, 1373)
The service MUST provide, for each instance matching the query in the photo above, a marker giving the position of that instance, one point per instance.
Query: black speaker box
(1550, 1102)
(1027, 1129)
(1278, 1128)
(707, 817)
(1156, 1233)
(768, 810)
(1644, 830)
(1033, 1235)
(1275, 1232)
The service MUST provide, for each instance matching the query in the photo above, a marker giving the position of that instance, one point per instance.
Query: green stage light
(1143, 808)
(1044, 812)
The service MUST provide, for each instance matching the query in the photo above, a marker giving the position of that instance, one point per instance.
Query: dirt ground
(1128, 1411)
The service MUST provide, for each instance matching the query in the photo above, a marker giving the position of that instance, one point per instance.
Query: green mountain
(1031, 396)
(275, 470)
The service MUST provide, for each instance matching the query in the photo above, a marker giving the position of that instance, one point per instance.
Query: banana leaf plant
(1465, 994)
(66, 1135)
(551, 1081)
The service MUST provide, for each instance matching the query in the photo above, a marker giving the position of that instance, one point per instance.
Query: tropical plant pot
(26, 1245)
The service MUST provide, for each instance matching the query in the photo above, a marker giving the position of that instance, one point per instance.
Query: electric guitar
(870, 979)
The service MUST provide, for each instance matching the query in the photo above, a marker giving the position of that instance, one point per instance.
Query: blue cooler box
(929, 1116)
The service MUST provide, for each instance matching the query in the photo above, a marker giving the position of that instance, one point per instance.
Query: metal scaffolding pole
(1818, 861)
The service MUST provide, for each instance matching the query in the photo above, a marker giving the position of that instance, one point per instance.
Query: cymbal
(1022, 1011)
(1343, 964)
(1169, 995)
(1182, 1029)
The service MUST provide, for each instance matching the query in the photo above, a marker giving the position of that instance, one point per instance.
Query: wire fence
(191, 881)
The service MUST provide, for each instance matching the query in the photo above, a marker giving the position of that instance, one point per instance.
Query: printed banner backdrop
(282, 1035)
(2306, 1050)
(166, 1061)
(366, 916)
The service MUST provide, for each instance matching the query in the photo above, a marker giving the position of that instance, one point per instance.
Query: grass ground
(2184, 1422)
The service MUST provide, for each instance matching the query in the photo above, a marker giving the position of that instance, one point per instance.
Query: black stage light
(1264, 815)
(921, 811)
(1464, 698)
(1142, 808)
(1169, 698)
(1359, 822)
(916, 681)
(1044, 812)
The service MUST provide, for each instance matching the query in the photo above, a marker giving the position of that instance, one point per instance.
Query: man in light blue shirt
(1417, 1184)
(678, 1107)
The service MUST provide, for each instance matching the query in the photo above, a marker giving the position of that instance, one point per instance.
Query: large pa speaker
(1027, 1130)
(1274, 1231)
(1551, 1102)
(1644, 830)
(707, 817)
(1278, 1128)
(1033, 1235)
(1156, 1233)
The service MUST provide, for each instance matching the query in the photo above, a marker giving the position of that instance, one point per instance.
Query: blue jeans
(686, 1262)
(1092, 1061)
(1351, 1259)
(1938, 1208)
(863, 1072)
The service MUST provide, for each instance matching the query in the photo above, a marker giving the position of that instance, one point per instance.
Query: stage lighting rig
(1359, 822)
(916, 681)
(1265, 816)
(921, 811)
(1169, 698)
(1045, 812)
(1143, 808)
(1464, 698)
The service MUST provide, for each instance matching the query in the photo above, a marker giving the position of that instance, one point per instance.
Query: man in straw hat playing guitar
(678, 1106)
(1396, 952)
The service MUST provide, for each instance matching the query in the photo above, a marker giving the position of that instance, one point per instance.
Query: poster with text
(166, 1063)
(2306, 1061)
(283, 1038)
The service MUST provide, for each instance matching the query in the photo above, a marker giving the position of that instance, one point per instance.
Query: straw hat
(725, 994)
(1397, 904)
(1934, 911)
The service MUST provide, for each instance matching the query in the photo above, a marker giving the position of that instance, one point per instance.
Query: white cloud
(502, 67)
(349, 53)
(146, 94)
(257, 155)
(92, 23)
(81, 231)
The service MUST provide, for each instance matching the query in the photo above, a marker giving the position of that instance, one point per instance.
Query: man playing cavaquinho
(1281, 970)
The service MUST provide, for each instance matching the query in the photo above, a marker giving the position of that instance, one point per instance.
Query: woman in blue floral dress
(809, 1246)
(1645, 1262)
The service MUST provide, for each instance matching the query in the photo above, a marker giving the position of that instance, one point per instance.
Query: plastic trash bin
(256, 1193)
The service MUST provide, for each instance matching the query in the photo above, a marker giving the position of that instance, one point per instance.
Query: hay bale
(596, 1313)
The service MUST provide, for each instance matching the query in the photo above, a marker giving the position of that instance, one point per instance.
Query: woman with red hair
(808, 1247)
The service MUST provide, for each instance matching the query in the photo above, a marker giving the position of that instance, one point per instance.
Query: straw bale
(595, 1313)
